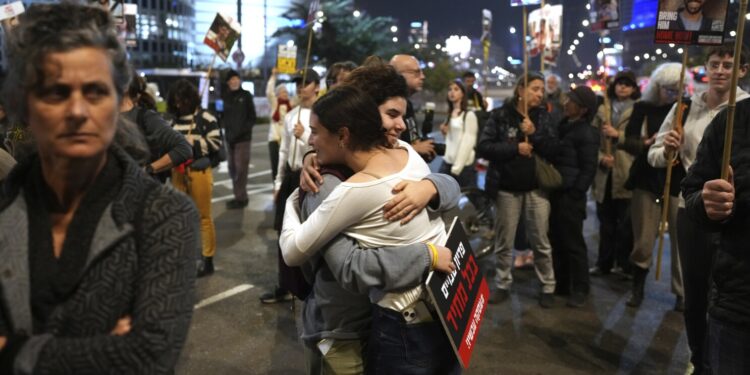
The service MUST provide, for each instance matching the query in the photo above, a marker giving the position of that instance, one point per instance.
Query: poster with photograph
(222, 34)
(545, 29)
(125, 21)
(517, 3)
(698, 22)
(604, 14)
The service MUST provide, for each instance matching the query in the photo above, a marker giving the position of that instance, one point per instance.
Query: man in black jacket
(724, 207)
(238, 121)
(576, 161)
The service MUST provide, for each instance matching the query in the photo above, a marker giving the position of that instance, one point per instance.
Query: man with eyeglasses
(408, 67)
(695, 243)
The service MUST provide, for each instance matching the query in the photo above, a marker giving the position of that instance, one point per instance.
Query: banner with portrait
(222, 34)
(604, 14)
(699, 22)
(125, 21)
(545, 29)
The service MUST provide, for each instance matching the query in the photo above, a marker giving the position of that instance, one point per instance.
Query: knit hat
(231, 73)
(585, 98)
(312, 76)
(627, 76)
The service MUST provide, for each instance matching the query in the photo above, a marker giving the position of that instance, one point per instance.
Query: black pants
(569, 254)
(615, 230)
(290, 278)
(273, 152)
(697, 249)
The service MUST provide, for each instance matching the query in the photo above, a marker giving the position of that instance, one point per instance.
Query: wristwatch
(149, 169)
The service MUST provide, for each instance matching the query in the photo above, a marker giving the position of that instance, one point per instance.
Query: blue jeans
(399, 348)
(729, 348)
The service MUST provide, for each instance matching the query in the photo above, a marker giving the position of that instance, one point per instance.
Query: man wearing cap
(291, 152)
(237, 121)
(576, 162)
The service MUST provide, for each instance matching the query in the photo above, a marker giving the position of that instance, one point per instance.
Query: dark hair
(231, 74)
(726, 49)
(336, 68)
(469, 73)
(183, 98)
(464, 100)
(611, 89)
(530, 77)
(138, 94)
(348, 107)
(53, 28)
(380, 81)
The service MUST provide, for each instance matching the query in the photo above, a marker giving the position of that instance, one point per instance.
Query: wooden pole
(525, 69)
(304, 82)
(541, 54)
(607, 104)
(208, 76)
(732, 106)
(671, 159)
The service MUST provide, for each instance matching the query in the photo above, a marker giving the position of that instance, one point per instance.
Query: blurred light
(732, 33)
(619, 47)
(637, 58)
(588, 67)
(510, 59)
(653, 58)
(585, 23)
(596, 88)
(588, 6)
(210, 88)
(679, 50)
(416, 45)
(664, 55)
(580, 33)
(658, 51)
(571, 75)
(646, 55)
(416, 24)
(458, 45)
(395, 39)
(477, 61)
(438, 46)
(576, 42)
(431, 65)
(572, 48)
(747, 16)
(606, 40)
(512, 30)
(290, 43)
(671, 45)
(570, 52)
(356, 14)
(319, 14)
(394, 28)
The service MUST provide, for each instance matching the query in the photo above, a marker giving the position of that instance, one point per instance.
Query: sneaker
(546, 300)
(596, 271)
(679, 304)
(499, 295)
(236, 204)
(576, 299)
(275, 296)
(206, 267)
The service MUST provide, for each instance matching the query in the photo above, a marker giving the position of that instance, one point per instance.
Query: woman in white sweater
(355, 208)
(460, 132)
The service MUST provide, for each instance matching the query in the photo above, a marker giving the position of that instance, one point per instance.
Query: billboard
(698, 22)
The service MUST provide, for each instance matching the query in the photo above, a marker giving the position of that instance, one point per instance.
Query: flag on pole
(314, 7)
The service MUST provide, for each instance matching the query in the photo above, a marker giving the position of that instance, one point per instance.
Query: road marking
(249, 192)
(228, 182)
(224, 295)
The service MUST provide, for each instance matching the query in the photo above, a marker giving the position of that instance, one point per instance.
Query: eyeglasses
(416, 72)
(715, 65)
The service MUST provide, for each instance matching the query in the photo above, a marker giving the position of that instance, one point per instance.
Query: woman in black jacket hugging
(513, 134)
(576, 161)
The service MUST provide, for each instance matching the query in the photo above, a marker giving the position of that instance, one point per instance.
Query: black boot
(639, 282)
(207, 267)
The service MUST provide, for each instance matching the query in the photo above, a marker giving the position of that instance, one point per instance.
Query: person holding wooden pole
(697, 244)
(609, 192)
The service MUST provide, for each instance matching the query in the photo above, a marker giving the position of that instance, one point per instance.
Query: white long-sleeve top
(356, 209)
(291, 149)
(696, 122)
(460, 142)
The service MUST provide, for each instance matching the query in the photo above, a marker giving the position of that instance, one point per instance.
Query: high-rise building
(164, 29)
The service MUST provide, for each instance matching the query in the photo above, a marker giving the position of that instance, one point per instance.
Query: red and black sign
(460, 297)
(694, 22)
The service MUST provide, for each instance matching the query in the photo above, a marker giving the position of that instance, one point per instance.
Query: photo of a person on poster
(607, 10)
(694, 22)
(221, 35)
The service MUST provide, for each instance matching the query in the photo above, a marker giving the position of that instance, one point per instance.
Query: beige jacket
(623, 160)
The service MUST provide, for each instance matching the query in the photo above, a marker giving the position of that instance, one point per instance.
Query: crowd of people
(102, 253)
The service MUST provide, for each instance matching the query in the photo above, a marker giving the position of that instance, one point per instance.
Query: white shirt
(291, 149)
(460, 142)
(698, 119)
(356, 209)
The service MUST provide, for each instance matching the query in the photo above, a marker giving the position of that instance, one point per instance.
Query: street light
(356, 14)
(512, 30)
(395, 39)
(394, 28)
(585, 23)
